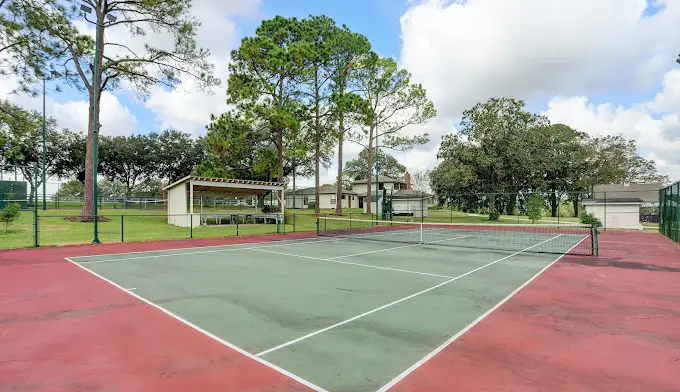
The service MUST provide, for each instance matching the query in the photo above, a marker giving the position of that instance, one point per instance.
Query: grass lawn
(148, 225)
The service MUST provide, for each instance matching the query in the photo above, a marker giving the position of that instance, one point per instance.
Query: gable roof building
(647, 193)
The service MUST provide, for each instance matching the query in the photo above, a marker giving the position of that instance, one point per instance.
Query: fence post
(294, 218)
(122, 228)
(191, 225)
(36, 243)
(450, 211)
(237, 219)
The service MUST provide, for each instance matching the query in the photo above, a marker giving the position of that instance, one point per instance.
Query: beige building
(302, 198)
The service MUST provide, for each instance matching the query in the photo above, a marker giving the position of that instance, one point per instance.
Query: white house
(405, 201)
(620, 213)
(617, 206)
(302, 198)
(388, 183)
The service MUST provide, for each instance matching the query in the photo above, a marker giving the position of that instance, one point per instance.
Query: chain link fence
(669, 200)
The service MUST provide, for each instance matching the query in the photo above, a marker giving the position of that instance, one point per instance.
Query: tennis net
(536, 238)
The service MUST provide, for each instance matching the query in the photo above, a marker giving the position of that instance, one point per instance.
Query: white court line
(416, 365)
(208, 334)
(278, 243)
(350, 263)
(397, 247)
(309, 335)
(131, 289)
(231, 249)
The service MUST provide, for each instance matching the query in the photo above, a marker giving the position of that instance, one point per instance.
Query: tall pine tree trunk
(338, 194)
(317, 144)
(88, 197)
(512, 204)
(369, 172)
(95, 88)
(575, 200)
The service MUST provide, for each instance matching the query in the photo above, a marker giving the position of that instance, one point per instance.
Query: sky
(599, 66)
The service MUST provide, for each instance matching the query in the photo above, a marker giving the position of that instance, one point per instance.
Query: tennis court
(357, 308)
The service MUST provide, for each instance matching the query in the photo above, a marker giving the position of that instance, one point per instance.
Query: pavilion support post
(191, 197)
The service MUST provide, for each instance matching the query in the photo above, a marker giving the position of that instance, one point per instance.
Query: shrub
(590, 219)
(270, 209)
(288, 218)
(494, 215)
(9, 214)
(534, 207)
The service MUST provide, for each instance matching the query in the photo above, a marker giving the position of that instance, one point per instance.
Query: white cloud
(466, 52)
(658, 139)
(668, 99)
(187, 108)
(115, 118)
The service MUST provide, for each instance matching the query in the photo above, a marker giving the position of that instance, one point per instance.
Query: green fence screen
(669, 217)
(13, 192)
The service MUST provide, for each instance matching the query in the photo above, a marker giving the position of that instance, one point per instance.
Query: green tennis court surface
(345, 313)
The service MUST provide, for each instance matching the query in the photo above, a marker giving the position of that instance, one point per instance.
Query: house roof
(649, 193)
(323, 190)
(226, 186)
(405, 194)
(410, 194)
(619, 200)
(381, 179)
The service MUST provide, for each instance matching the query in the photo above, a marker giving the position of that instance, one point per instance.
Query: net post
(421, 234)
(191, 226)
(595, 251)
(237, 219)
(122, 228)
(317, 226)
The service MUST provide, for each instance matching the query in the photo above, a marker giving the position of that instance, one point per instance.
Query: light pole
(95, 96)
(44, 185)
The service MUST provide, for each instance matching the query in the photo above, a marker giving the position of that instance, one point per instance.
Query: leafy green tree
(564, 161)
(236, 148)
(347, 49)
(263, 82)
(71, 188)
(111, 190)
(535, 207)
(25, 49)
(392, 103)
(129, 159)
(8, 215)
(358, 169)
(177, 154)
(23, 145)
(497, 150)
(71, 163)
(150, 187)
(316, 36)
(138, 68)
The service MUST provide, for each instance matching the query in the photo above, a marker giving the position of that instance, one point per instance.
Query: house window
(333, 199)
(344, 197)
